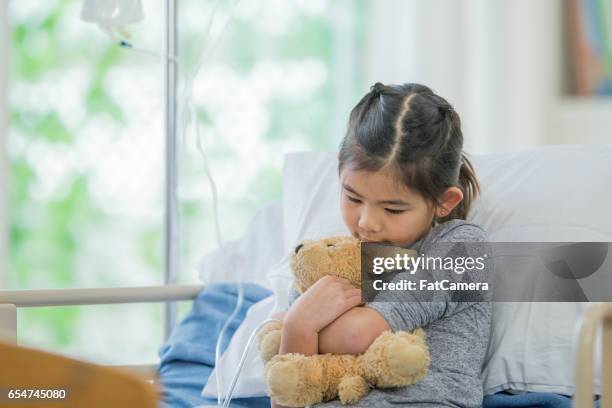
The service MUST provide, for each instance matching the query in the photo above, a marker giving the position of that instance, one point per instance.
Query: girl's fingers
(347, 286)
(355, 301)
(352, 291)
(354, 295)
(338, 279)
(343, 285)
(345, 282)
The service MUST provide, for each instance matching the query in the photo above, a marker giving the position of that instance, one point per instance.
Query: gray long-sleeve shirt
(457, 336)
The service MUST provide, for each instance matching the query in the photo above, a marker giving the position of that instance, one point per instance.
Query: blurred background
(82, 131)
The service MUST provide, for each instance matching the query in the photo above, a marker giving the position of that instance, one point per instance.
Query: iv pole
(171, 215)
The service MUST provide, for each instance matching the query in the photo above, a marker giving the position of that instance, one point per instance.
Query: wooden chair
(85, 384)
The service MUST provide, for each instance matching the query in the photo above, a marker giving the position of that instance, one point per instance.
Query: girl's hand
(323, 303)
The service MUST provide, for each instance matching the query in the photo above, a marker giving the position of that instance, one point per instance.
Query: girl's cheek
(345, 212)
(350, 216)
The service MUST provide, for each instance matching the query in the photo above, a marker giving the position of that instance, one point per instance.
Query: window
(86, 147)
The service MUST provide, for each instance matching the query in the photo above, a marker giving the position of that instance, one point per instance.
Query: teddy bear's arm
(353, 332)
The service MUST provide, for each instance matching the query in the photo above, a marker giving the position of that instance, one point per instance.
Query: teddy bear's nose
(297, 248)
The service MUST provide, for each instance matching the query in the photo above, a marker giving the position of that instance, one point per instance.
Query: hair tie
(445, 108)
(377, 89)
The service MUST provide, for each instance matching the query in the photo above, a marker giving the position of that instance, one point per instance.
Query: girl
(404, 180)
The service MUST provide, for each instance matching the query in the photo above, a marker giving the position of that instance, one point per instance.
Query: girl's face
(374, 208)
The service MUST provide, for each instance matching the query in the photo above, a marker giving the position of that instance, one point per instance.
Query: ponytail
(470, 188)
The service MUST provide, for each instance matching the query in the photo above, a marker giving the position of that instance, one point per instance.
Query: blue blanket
(187, 359)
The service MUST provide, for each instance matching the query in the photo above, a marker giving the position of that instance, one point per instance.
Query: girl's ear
(450, 199)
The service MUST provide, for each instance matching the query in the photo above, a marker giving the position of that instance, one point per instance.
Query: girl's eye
(392, 211)
(353, 199)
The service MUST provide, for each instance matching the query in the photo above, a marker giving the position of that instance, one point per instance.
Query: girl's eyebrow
(391, 202)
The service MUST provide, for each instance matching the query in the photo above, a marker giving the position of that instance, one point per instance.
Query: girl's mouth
(364, 239)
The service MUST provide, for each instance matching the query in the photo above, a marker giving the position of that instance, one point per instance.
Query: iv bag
(112, 15)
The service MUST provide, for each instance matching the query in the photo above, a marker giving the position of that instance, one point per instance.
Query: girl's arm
(294, 339)
(298, 339)
(328, 299)
(321, 304)
(353, 332)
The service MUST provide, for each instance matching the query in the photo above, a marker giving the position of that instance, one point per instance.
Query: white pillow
(565, 186)
(525, 194)
(555, 194)
(311, 197)
(552, 193)
(250, 258)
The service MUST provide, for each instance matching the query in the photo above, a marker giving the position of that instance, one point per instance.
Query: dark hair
(415, 134)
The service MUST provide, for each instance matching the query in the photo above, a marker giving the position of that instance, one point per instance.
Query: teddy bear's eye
(330, 245)
(297, 248)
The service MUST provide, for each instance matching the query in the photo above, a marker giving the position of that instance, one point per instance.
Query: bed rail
(98, 296)
(596, 316)
(11, 300)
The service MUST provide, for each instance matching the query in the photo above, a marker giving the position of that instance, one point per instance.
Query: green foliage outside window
(86, 121)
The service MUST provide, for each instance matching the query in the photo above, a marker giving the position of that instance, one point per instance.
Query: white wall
(497, 61)
(4, 32)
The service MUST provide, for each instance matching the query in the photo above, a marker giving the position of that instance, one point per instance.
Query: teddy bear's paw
(420, 333)
(352, 389)
(396, 359)
(294, 380)
(407, 358)
(269, 345)
(283, 380)
(266, 330)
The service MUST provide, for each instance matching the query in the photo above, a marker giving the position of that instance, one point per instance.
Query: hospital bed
(596, 318)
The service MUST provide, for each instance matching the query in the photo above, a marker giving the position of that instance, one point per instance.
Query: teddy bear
(394, 359)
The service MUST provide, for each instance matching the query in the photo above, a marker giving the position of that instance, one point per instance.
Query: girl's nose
(369, 222)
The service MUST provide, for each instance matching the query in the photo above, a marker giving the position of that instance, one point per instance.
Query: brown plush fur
(392, 360)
